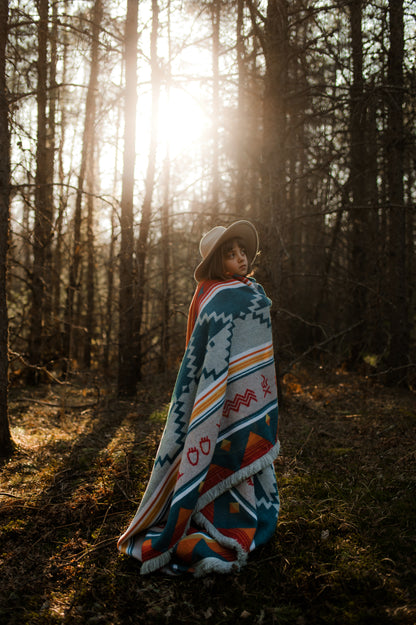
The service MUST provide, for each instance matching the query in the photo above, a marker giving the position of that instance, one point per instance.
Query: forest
(133, 129)
(127, 130)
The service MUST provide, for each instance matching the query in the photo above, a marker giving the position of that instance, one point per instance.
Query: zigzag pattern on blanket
(212, 495)
(239, 400)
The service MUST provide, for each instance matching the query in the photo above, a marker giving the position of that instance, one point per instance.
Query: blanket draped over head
(212, 495)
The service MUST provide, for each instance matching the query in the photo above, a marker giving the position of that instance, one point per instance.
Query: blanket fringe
(238, 477)
(207, 566)
(213, 565)
(156, 563)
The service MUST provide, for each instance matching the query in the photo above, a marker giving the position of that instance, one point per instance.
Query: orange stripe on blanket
(257, 446)
(249, 360)
(205, 401)
(187, 545)
(148, 552)
(203, 292)
(153, 508)
(215, 475)
(180, 525)
(244, 536)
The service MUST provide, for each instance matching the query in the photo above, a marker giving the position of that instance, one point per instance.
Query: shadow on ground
(343, 553)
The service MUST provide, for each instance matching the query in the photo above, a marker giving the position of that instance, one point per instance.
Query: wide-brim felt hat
(217, 236)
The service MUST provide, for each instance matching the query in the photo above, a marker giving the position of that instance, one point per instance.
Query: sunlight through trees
(126, 146)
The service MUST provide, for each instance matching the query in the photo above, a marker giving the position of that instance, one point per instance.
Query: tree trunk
(149, 184)
(50, 160)
(91, 184)
(273, 211)
(109, 306)
(240, 134)
(216, 13)
(165, 234)
(166, 264)
(90, 312)
(62, 203)
(87, 146)
(6, 445)
(43, 204)
(399, 329)
(375, 252)
(275, 43)
(127, 355)
(358, 173)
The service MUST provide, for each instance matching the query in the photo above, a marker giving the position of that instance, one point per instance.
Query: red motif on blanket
(205, 445)
(193, 456)
(265, 386)
(193, 452)
(238, 401)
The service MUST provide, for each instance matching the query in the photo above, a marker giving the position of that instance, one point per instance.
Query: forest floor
(343, 553)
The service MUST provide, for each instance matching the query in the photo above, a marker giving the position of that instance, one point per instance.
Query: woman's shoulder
(229, 296)
(210, 291)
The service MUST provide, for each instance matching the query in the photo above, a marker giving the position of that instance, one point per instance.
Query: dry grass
(343, 553)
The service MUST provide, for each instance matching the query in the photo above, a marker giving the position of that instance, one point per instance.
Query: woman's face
(235, 258)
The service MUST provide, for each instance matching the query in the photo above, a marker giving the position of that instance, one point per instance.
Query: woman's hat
(214, 238)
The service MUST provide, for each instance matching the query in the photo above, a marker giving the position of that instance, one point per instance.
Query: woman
(212, 496)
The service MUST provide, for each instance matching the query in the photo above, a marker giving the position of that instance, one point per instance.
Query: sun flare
(183, 121)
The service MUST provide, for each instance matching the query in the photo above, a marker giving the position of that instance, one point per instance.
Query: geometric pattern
(238, 401)
(212, 495)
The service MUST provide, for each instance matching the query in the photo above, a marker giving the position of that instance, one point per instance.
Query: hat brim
(238, 230)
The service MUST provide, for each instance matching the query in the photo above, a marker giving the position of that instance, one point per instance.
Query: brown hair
(215, 269)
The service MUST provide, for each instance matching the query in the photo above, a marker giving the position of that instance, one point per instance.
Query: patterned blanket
(212, 495)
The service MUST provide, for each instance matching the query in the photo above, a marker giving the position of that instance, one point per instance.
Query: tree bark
(216, 16)
(109, 305)
(275, 43)
(6, 445)
(62, 202)
(165, 233)
(358, 173)
(53, 300)
(90, 278)
(127, 355)
(241, 135)
(399, 328)
(87, 146)
(149, 185)
(50, 160)
(43, 232)
(91, 185)
(274, 39)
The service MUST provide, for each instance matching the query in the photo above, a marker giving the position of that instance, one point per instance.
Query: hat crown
(210, 239)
